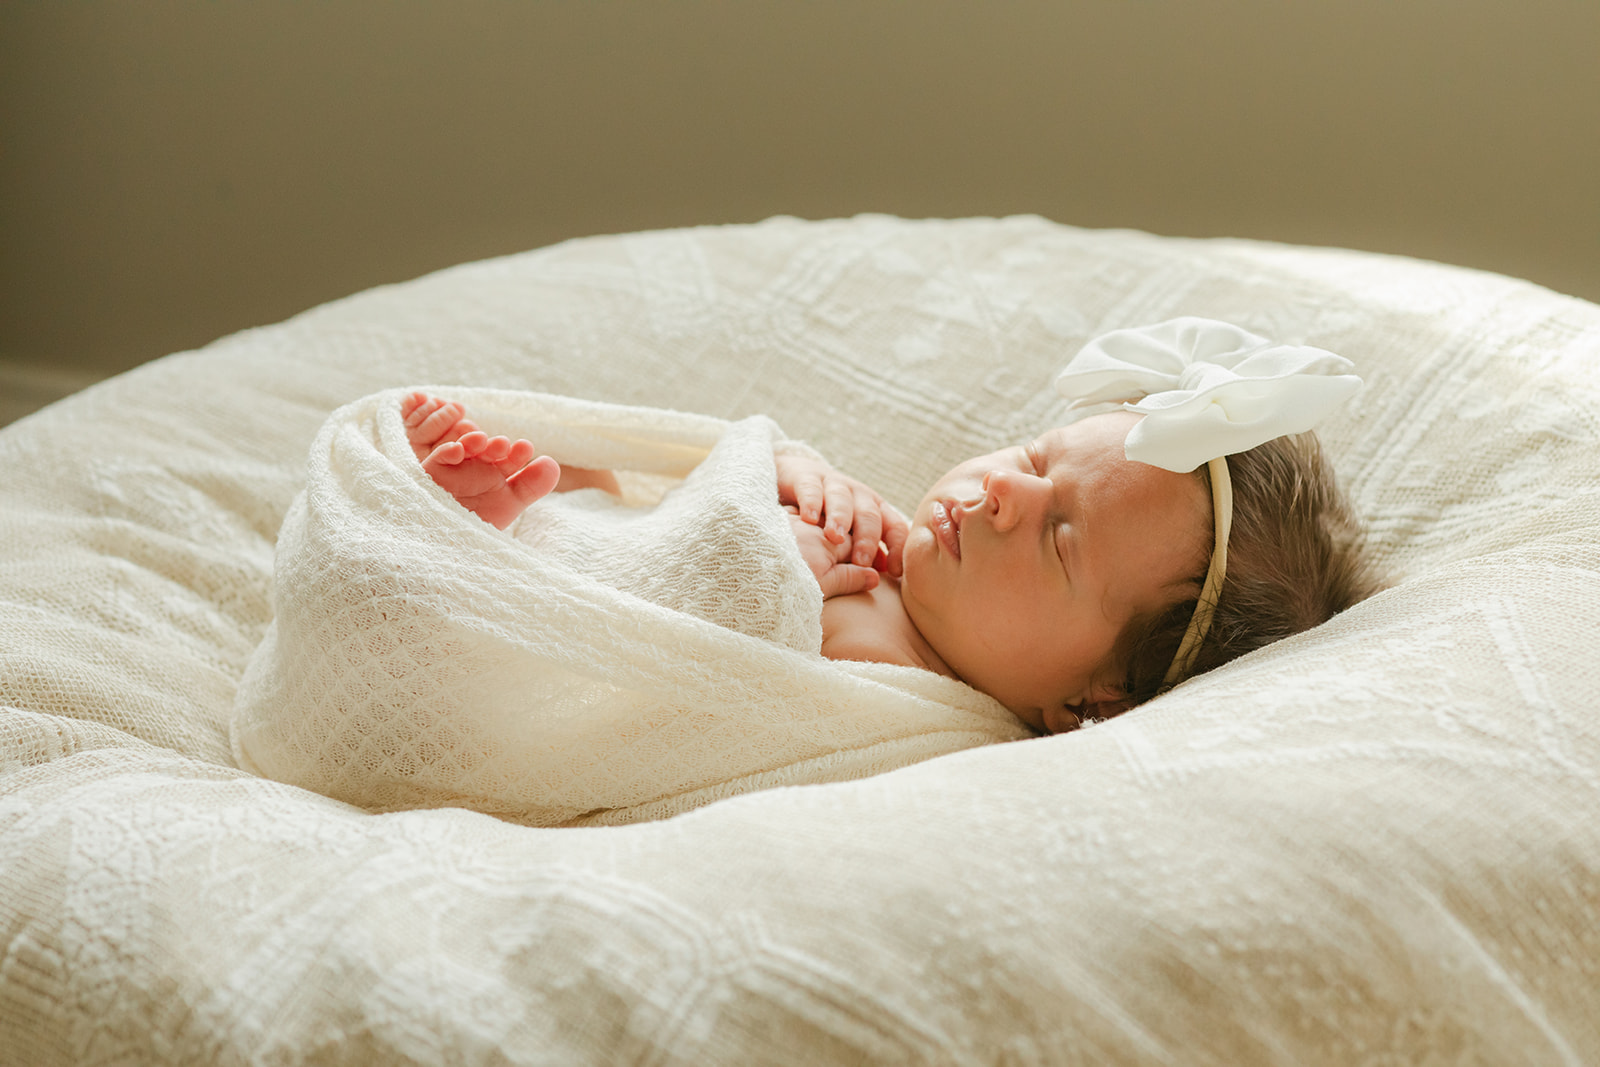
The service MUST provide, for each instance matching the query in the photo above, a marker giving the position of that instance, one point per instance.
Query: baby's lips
(946, 527)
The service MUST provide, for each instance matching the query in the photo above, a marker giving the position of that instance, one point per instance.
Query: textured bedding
(1373, 843)
(600, 663)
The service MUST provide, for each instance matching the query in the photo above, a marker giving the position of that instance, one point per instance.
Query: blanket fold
(603, 661)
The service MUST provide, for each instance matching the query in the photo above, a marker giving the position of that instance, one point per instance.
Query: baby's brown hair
(1296, 557)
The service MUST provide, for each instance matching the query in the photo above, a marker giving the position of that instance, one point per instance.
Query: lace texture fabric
(1374, 843)
(606, 663)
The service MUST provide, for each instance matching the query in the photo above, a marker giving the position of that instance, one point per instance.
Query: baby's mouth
(946, 523)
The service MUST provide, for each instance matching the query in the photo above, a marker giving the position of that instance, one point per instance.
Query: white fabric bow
(1206, 389)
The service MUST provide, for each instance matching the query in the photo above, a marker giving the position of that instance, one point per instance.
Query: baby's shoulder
(871, 626)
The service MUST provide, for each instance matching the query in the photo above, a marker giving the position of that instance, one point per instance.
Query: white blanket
(607, 663)
(1373, 843)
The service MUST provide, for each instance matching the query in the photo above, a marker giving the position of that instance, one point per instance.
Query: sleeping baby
(1072, 576)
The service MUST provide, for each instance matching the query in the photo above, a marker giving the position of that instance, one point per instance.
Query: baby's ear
(1105, 702)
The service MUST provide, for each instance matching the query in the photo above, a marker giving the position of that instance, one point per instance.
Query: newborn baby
(1058, 576)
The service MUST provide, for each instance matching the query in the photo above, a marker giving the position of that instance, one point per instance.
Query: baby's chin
(915, 558)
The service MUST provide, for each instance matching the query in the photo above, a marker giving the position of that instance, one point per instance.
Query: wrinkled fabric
(604, 663)
(1373, 843)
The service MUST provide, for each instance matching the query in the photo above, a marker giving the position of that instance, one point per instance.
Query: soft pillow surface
(1373, 843)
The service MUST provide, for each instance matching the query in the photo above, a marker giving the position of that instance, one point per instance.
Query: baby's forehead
(1103, 432)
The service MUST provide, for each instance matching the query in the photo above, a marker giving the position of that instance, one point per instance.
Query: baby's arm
(848, 512)
(827, 561)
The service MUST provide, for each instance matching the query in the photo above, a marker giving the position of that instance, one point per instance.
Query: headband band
(1206, 390)
(1211, 592)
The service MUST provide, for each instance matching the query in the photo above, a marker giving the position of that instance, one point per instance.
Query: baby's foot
(431, 422)
(495, 478)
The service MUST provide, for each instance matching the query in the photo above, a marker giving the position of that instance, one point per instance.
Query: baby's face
(1023, 566)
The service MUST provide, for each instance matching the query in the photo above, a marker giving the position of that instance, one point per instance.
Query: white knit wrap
(1374, 843)
(600, 662)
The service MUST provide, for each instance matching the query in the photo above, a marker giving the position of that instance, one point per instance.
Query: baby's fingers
(895, 529)
(839, 507)
(846, 578)
(868, 530)
(807, 498)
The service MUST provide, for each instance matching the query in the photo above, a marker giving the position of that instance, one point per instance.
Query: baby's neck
(875, 627)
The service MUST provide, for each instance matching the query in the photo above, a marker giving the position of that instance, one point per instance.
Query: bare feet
(495, 478)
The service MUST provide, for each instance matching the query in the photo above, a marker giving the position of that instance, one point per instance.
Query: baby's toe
(446, 455)
(423, 406)
(535, 481)
(435, 425)
(496, 450)
(522, 451)
(461, 429)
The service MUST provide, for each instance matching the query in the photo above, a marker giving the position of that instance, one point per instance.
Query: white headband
(1207, 390)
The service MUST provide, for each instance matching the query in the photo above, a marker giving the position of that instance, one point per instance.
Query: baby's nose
(1012, 495)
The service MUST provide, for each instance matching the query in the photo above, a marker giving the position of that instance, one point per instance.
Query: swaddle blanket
(603, 661)
(1374, 843)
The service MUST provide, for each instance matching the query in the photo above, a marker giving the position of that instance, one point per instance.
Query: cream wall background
(174, 171)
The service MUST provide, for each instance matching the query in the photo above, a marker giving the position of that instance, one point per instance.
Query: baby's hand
(827, 561)
(850, 514)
